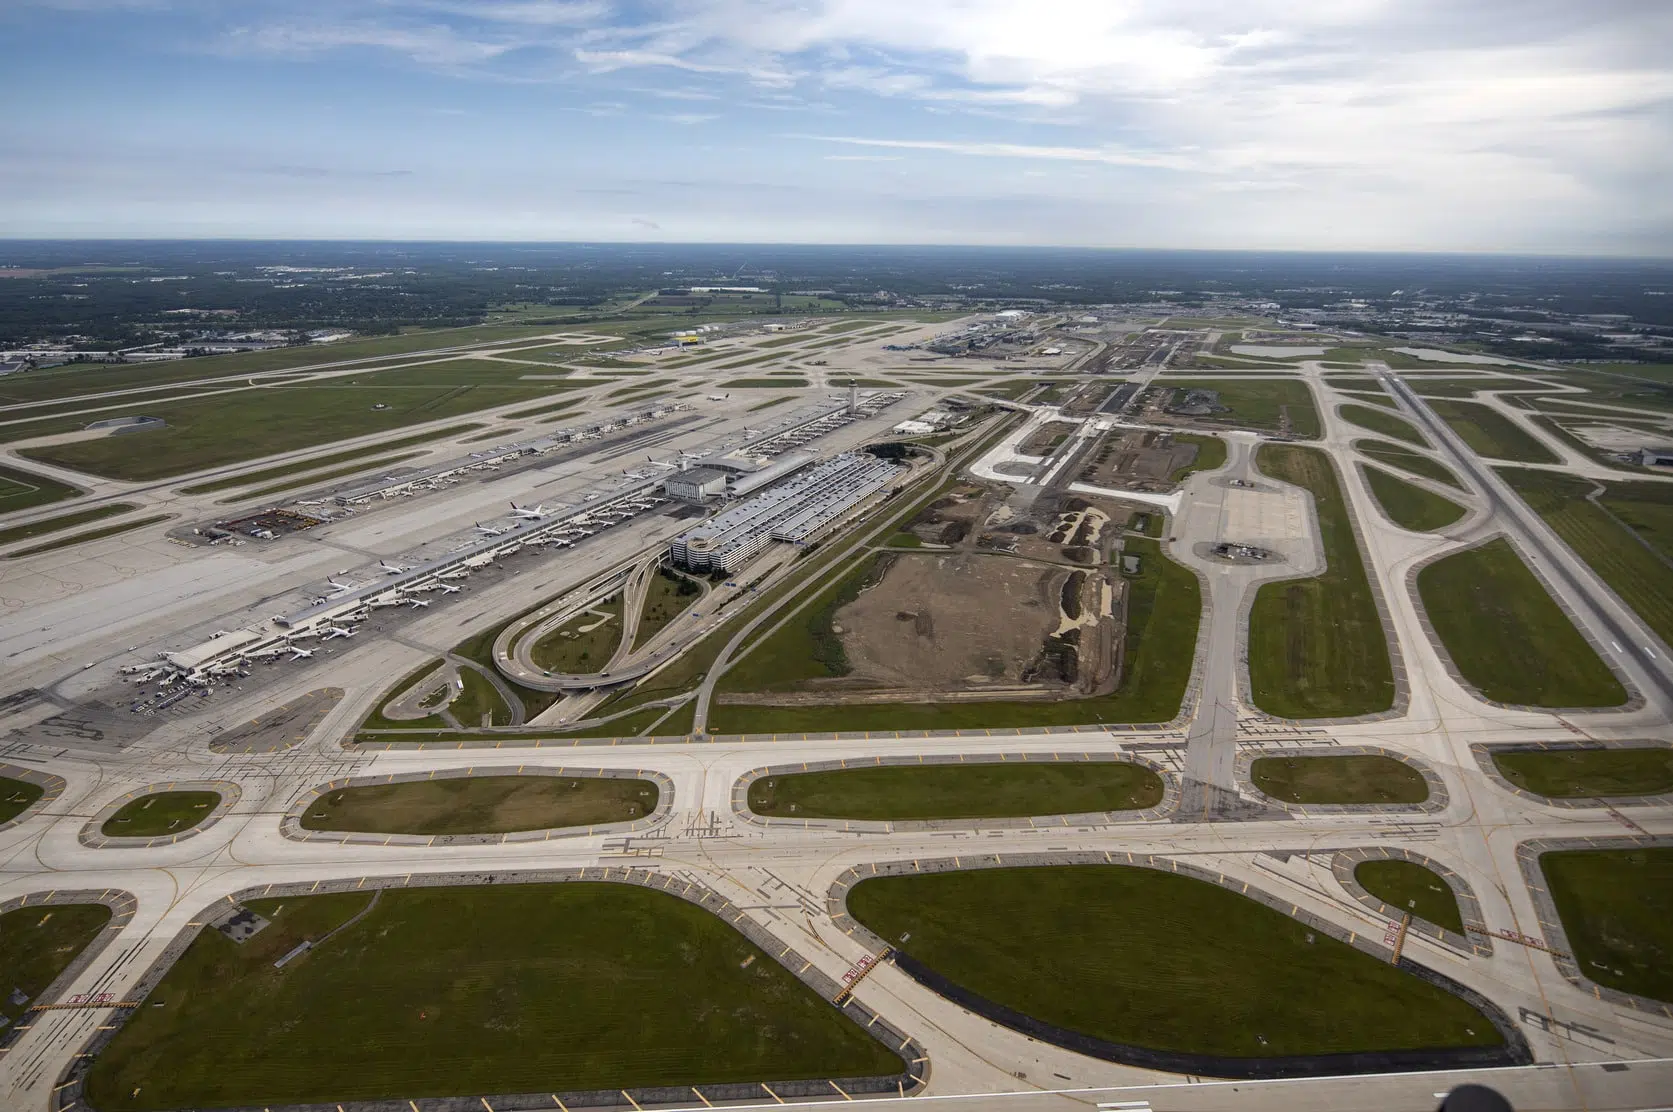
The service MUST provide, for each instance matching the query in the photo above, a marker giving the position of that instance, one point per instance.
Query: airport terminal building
(801, 510)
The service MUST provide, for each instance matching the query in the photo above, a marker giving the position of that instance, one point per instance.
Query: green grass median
(1316, 646)
(16, 797)
(1483, 602)
(1358, 778)
(1617, 910)
(1156, 959)
(1490, 433)
(1588, 773)
(37, 944)
(1403, 458)
(24, 490)
(481, 805)
(1010, 789)
(441, 992)
(1625, 534)
(1408, 505)
(1384, 424)
(159, 814)
(1411, 887)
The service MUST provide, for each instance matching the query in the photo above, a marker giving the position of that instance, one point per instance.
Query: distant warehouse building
(801, 510)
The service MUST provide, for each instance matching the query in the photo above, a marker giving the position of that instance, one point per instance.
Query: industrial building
(801, 510)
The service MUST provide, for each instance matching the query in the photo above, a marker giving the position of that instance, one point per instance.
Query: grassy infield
(482, 805)
(1485, 598)
(458, 991)
(152, 816)
(16, 797)
(1316, 646)
(960, 791)
(37, 943)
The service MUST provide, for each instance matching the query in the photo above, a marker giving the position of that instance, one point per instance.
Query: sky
(1541, 126)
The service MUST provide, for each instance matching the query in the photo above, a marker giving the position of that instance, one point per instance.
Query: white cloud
(1108, 155)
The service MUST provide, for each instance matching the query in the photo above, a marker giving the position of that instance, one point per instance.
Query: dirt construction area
(969, 622)
(1138, 459)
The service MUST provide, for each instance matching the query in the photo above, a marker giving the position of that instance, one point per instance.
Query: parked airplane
(341, 588)
(533, 513)
(418, 603)
(339, 631)
(301, 654)
(448, 588)
(392, 569)
(489, 530)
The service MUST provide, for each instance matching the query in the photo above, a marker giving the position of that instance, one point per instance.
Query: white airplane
(418, 603)
(448, 588)
(340, 588)
(532, 513)
(718, 397)
(339, 631)
(392, 569)
(301, 654)
(488, 530)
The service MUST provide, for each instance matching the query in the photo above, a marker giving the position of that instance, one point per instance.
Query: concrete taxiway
(1592, 1049)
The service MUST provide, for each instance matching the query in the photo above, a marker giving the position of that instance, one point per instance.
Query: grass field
(479, 699)
(460, 991)
(70, 520)
(1211, 454)
(1316, 646)
(151, 816)
(1588, 773)
(299, 467)
(1404, 459)
(1418, 890)
(1490, 433)
(24, 490)
(1410, 506)
(1163, 609)
(1484, 599)
(1626, 535)
(234, 427)
(1157, 959)
(1362, 778)
(1372, 399)
(16, 797)
(37, 944)
(1261, 403)
(1467, 387)
(481, 805)
(667, 597)
(1384, 424)
(1617, 910)
(961, 791)
(76, 379)
(1645, 508)
(585, 643)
